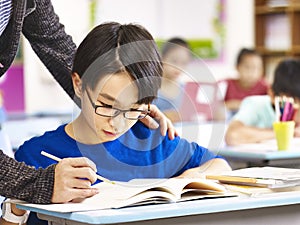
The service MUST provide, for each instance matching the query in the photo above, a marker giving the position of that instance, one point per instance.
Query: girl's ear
(77, 84)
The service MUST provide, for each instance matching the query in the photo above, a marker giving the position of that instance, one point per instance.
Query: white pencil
(59, 159)
(277, 109)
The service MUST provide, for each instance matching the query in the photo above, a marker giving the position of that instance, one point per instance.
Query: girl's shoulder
(47, 137)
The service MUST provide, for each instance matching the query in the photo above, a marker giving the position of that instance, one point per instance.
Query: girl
(116, 75)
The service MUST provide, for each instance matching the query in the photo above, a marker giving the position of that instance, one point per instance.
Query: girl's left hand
(193, 173)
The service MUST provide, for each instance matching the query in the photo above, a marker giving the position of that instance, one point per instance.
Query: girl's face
(175, 61)
(250, 69)
(116, 91)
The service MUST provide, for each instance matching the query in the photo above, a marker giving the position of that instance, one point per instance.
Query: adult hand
(165, 124)
(73, 179)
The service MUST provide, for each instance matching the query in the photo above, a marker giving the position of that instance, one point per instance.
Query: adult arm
(56, 183)
(239, 133)
(20, 181)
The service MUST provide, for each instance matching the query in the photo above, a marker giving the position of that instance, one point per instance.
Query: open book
(270, 177)
(141, 192)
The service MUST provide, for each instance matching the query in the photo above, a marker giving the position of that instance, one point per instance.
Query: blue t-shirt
(139, 153)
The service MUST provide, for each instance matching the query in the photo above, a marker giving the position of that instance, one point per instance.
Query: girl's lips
(110, 133)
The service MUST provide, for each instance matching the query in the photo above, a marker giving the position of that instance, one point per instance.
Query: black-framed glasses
(109, 111)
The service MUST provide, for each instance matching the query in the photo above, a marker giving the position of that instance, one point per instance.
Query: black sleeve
(20, 181)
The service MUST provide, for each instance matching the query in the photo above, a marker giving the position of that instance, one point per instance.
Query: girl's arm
(213, 166)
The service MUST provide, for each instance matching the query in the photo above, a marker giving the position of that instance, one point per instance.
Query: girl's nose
(118, 122)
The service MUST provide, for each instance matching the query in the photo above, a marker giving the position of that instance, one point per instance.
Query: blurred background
(216, 30)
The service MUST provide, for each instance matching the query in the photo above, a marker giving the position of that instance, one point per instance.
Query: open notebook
(141, 192)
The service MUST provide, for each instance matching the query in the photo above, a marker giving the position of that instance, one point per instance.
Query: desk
(275, 209)
(263, 154)
(211, 136)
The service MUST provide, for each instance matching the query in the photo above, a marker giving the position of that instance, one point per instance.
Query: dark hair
(245, 52)
(112, 48)
(173, 43)
(287, 78)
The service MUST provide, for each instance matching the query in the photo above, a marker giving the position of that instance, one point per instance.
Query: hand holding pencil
(67, 187)
(59, 159)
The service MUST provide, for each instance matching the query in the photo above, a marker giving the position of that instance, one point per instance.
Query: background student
(249, 65)
(254, 120)
(116, 91)
(176, 55)
(40, 25)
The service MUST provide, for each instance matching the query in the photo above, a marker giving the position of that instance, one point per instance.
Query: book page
(138, 192)
(174, 186)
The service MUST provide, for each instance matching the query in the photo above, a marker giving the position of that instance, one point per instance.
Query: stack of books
(269, 177)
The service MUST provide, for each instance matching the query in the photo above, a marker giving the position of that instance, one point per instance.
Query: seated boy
(254, 120)
(116, 74)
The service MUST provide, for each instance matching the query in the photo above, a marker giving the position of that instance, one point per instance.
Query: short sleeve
(256, 111)
(247, 113)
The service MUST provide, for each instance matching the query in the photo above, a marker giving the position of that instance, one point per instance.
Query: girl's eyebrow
(111, 98)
